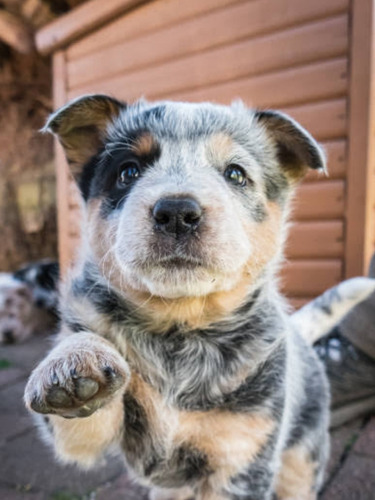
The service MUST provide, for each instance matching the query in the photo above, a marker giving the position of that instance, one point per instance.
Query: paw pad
(75, 395)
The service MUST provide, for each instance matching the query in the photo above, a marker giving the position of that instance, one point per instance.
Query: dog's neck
(219, 310)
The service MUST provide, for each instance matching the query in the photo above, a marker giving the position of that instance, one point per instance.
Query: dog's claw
(114, 378)
(109, 372)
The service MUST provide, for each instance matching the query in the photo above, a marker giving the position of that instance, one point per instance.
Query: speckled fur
(184, 344)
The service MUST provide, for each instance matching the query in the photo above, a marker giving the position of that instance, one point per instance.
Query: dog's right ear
(297, 150)
(81, 127)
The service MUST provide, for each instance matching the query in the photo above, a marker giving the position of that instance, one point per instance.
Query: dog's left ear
(297, 150)
(81, 126)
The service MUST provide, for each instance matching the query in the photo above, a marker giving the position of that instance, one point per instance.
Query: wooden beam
(291, 86)
(15, 32)
(323, 39)
(336, 156)
(316, 239)
(227, 26)
(322, 200)
(360, 220)
(298, 302)
(79, 21)
(323, 119)
(309, 278)
(149, 17)
(62, 171)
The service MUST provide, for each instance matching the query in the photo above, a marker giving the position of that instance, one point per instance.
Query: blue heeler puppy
(175, 343)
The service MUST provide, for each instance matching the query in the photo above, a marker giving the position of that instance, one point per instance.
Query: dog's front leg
(82, 379)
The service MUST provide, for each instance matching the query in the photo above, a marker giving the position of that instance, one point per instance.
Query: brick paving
(27, 467)
(351, 469)
(28, 470)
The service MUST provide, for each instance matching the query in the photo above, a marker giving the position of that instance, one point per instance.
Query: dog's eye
(129, 173)
(236, 175)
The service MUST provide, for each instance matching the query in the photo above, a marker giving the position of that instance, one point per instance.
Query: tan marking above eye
(144, 144)
(219, 148)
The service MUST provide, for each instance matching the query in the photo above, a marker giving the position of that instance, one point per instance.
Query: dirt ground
(28, 470)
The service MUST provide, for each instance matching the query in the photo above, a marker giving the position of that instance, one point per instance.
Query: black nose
(177, 216)
(8, 337)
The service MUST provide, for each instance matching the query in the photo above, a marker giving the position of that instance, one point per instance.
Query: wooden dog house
(313, 59)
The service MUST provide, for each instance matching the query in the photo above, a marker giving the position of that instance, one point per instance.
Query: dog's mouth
(179, 263)
(173, 266)
(177, 269)
(176, 276)
(177, 259)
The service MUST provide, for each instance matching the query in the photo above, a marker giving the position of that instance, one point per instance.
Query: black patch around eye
(88, 174)
(100, 176)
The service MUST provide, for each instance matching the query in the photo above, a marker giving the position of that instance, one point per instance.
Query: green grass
(4, 363)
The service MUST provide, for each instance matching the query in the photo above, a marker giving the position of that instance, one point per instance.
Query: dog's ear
(81, 127)
(296, 149)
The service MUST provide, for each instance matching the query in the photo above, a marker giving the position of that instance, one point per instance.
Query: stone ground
(29, 472)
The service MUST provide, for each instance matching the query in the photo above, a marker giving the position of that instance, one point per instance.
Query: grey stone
(366, 443)
(27, 462)
(10, 375)
(342, 438)
(27, 354)
(11, 399)
(124, 488)
(11, 427)
(355, 481)
(11, 494)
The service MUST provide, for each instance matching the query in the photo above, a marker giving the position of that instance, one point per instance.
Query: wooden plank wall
(286, 54)
(360, 199)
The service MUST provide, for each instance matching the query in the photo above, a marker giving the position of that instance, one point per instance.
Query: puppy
(175, 344)
(15, 310)
(42, 278)
(28, 301)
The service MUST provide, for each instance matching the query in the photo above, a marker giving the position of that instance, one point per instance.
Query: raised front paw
(78, 377)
